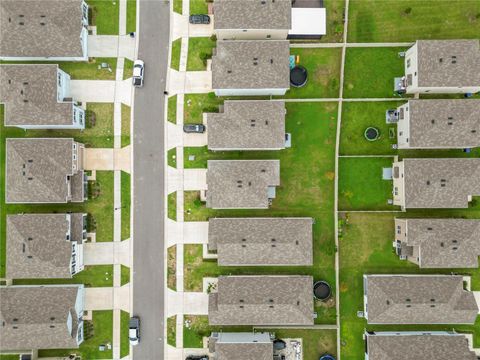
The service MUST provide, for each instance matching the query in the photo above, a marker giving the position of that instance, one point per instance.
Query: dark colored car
(194, 128)
(200, 19)
(197, 357)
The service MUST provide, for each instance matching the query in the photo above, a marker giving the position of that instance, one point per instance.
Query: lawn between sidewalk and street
(307, 189)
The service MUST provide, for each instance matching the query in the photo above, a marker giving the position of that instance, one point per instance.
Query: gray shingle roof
(241, 183)
(251, 65)
(261, 241)
(241, 346)
(262, 300)
(36, 317)
(407, 346)
(37, 170)
(23, 35)
(37, 246)
(247, 125)
(252, 14)
(29, 93)
(423, 182)
(444, 123)
(444, 243)
(460, 64)
(419, 299)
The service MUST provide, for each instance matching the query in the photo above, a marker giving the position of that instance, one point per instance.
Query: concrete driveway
(189, 232)
(201, 30)
(102, 91)
(107, 159)
(190, 303)
(105, 253)
(111, 46)
(195, 179)
(190, 82)
(107, 298)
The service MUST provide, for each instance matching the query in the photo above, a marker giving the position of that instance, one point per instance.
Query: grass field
(105, 15)
(125, 205)
(172, 157)
(124, 340)
(409, 20)
(131, 16)
(177, 6)
(125, 275)
(172, 267)
(172, 330)
(172, 109)
(172, 206)
(176, 50)
(198, 7)
(334, 9)
(196, 104)
(199, 50)
(127, 69)
(126, 120)
(90, 70)
(369, 72)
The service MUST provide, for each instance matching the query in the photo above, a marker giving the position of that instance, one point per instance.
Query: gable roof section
(23, 35)
(252, 64)
(36, 317)
(261, 241)
(441, 183)
(252, 14)
(249, 124)
(445, 63)
(29, 93)
(262, 300)
(419, 299)
(444, 123)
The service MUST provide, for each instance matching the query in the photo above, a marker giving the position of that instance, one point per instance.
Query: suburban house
(431, 345)
(435, 183)
(247, 125)
(41, 317)
(44, 171)
(249, 68)
(269, 19)
(241, 345)
(261, 241)
(439, 124)
(43, 30)
(418, 299)
(262, 300)
(38, 97)
(438, 243)
(442, 67)
(241, 184)
(45, 245)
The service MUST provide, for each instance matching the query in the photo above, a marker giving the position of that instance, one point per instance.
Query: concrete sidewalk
(107, 159)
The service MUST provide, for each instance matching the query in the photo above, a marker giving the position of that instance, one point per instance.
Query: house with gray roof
(250, 68)
(241, 184)
(261, 241)
(37, 96)
(41, 317)
(43, 30)
(435, 183)
(241, 345)
(262, 300)
(418, 299)
(439, 124)
(41, 246)
(438, 243)
(247, 125)
(48, 170)
(442, 67)
(413, 345)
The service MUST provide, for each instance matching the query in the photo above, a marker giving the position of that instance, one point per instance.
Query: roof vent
(428, 182)
(263, 2)
(433, 121)
(263, 170)
(429, 228)
(23, 247)
(255, 63)
(440, 60)
(42, 23)
(30, 256)
(473, 131)
(21, 23)
(229, 71)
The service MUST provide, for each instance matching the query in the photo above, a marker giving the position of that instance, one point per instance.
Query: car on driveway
(138, 73)
(134, 330)
(194, 128)
(197, 357)
(199, 19)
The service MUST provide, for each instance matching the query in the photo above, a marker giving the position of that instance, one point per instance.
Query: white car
(138, 73)
(134, 330)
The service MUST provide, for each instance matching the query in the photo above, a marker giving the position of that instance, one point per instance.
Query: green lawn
(125, 275)
(198, 7)
(172, 109)
(334, 9)
(172, 206)
(97, 332)
(131, 16)
(199, 50)
(104, 14)
(127, 69)
(124, 340)
(178, 6)
(365, 246)
(91, 276)
(307, 189)
(172, 331)
(196, 104)
(125, 207)
(369, 72)
(90, 70)
(172, 157)
(9, 356)
(323, 66)
(356, 117)
(176, 49)
(172, 267)
(361, 186)
(409, 20)
(126, 119)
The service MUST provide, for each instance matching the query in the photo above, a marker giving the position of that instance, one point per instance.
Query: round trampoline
(327, 357)
(322, 290)
(298, 76)
(279, 344)
(371, 133)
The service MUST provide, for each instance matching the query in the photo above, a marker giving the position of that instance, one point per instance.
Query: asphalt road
(148, 180)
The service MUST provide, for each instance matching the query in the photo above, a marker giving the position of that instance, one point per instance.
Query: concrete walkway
(106, 253)
(107, 159)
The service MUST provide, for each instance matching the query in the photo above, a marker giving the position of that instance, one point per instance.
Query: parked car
(138, 73)
(200, 19)
(134, 330)
(194, 128)
(197, 357)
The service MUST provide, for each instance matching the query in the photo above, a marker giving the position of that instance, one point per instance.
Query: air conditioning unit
(394, 146)
(403, 257)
